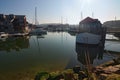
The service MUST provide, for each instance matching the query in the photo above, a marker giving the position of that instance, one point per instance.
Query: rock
(69, 76)
(113, 77)
(76, 69)
(98, 70)
(58, 77)
(82, 75)
(117, 72)
(110, 69)
(103, 76)
(116, 61)
(42, 74)
(117, 66)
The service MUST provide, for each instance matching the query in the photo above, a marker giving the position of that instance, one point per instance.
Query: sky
(52, 11)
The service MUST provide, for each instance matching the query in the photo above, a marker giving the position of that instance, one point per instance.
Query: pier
(18, 35)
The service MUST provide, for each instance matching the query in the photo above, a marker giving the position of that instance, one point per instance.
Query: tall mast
(81, 16)
(92, 15)
(35, 15)
(66, 20)
(115, 18)
(61, 20)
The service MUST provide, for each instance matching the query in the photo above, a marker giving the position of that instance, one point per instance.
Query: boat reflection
(40, 36)
(72, 33)
(14, 43)
(90, 52)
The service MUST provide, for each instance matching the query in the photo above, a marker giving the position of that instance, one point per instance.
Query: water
(112, 43)
(22, 58)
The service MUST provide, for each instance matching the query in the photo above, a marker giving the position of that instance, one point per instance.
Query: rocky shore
(107, 71)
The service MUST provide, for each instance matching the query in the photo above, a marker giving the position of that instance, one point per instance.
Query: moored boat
(88, 38)
(38, 32)
(91, 32)
(3, 36)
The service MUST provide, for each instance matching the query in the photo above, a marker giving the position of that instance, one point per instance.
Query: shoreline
(106, 71)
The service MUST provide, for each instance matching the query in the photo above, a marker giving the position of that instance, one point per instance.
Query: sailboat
(38, 30)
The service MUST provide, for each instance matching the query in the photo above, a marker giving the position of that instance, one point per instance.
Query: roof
(89, 20)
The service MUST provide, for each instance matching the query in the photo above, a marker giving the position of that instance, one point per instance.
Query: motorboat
(3, 36)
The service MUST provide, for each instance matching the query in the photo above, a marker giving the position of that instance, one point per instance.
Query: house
(1, 22)
(91, 32)
(90, 25)
(5, 24)
(19, 23)
(13, 23)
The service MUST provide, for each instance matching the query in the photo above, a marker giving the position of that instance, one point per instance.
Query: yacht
(3, 36)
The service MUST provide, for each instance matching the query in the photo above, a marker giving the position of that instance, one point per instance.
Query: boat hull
(88, 39)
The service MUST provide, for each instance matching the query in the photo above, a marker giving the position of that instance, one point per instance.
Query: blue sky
(50, 11)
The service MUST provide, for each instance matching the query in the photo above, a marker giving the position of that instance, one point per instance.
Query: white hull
(3, 36)
(38, 31)
(88, 38)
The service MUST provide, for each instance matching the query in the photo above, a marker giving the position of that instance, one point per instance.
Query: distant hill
(111, 24)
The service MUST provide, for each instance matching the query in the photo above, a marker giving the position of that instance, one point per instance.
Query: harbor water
(21, 58)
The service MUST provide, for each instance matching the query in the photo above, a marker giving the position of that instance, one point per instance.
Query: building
(5, 24)
(13, 23)
(112, 26)
(90, 25)
(91, 32)
(19, 23)
(2, 20)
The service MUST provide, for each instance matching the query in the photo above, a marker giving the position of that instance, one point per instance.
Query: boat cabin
(91, 32)
(90, 25)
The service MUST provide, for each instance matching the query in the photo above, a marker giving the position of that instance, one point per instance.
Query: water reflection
(14, 43)
(90, 52)
(72, 33)
(40, 36)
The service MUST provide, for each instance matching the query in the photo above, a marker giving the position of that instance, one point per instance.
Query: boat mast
(115, 18)
(81, 15)
(92, 15)
(35, 15)
(61, 20)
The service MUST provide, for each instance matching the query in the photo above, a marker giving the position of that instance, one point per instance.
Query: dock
(18, 35)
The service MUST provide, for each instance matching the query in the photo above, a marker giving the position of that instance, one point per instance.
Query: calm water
(112, 45)
(22, 58)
